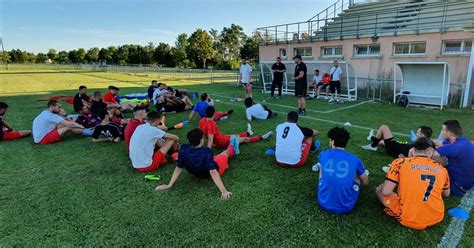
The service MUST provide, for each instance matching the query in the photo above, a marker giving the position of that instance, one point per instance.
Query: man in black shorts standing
(335, 85)
(301, 83)
(394, 148)
(278, 70)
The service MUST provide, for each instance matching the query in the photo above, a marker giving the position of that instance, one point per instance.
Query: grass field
(86, 194)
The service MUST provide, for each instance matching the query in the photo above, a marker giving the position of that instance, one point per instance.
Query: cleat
(369, 148)
(267, 135)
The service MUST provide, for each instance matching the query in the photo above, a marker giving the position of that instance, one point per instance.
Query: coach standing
(245, 77)
(278, 70)
(301, 83)
(335, 85)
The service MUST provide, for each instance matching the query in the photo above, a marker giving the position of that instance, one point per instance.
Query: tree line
(201, 49)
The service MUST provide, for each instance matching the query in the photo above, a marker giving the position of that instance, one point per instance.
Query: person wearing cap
(245, 77)
(301, 83)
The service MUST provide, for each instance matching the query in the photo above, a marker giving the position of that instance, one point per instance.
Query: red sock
(230, 151)
(254, 139)
(244, 135)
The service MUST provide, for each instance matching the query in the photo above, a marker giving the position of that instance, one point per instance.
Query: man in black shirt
(81, 99)
(97, 104)
(278, 70)
(111, 131)
(301, 83)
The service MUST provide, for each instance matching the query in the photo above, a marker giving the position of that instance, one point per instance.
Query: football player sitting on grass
(198, 160)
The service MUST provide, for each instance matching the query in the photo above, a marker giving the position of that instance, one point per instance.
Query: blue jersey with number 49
(337, 191)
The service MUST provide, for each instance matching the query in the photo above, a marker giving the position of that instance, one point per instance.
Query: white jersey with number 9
(289, 141)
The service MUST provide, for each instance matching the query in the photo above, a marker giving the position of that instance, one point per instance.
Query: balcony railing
(411, 18)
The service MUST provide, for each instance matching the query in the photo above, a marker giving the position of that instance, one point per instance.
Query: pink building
(372, 36)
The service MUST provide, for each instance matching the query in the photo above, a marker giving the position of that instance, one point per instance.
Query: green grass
(85, 194)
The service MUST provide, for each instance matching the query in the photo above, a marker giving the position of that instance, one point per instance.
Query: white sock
(249, 129)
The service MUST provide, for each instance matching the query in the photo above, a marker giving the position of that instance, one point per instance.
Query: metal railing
(407, 17)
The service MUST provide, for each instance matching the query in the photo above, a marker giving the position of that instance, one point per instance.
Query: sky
(38, 25)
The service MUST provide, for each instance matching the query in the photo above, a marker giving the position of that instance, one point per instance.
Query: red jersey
(129, 130)
(210, 127)
(109, 98)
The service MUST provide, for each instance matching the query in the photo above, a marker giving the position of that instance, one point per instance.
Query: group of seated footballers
(416, 181)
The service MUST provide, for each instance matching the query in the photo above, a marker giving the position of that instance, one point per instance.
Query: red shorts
(305, 148)
(158, 159)
(223, 142)
(11, 135)
(223, 162)
(219, 115)
(51, 137)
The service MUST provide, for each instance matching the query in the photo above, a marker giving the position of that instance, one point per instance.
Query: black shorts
(335, 85)
(244, 84)
(270, 113)
(300, 90)
(322, 85)
(395, 148)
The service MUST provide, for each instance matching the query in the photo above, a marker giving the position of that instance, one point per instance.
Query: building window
(367, 50)
(306, 52)
(416, 48)
(282, 53)
(457, 47)
(331, 51)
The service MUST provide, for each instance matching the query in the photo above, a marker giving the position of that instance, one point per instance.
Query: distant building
(374, 34)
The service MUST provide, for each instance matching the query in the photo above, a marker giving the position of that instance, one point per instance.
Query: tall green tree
(200, 48)
(52, 54)
(162, 54)
(180, 55)
(92, 55)
(249, 50)
(41, 58)
(62, 58)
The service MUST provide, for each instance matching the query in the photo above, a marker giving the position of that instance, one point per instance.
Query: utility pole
(4, 55)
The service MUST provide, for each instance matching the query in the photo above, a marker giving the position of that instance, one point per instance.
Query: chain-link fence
(378, 89)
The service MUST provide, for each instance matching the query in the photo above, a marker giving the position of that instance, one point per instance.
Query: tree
(41, 58)
(92, 55)
(104, 54)
(162, 54)
(180, 56)
(122, 54)
(52, 54)
(148, 53)
(63, 57)
(18, 56)
(5, 57)
(250, 49)
(200, 48)
(81, 55)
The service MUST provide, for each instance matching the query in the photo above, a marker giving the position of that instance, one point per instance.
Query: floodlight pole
(469, 88)
(4, 55)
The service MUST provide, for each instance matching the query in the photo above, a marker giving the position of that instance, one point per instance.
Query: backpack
(326, 78)
(402, 101)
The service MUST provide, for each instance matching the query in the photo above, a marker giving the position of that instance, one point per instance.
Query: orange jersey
(421, 182)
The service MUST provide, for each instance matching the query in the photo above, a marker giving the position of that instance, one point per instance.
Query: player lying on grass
(257, 111)
(111, 99)
(198, 160)
(172, 105)
(81, 99)
(151, 89)
(420, 184)
(49, 127)
(459, 152)
(200, 108)
(293, 143)
(6, 131)
(341, 174)
(216, 139)
(394, 148)
(111, 131)
(144, 143)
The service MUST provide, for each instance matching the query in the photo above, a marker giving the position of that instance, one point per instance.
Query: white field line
(453, 235)
(347, 107)
(315, 119)
(309, 110)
